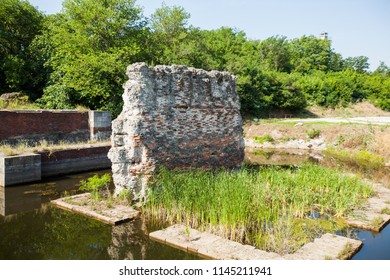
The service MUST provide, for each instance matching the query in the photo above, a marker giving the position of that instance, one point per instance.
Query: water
(30, 228)
(376, 245)
(33, 229)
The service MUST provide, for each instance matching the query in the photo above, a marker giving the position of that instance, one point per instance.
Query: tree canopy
(79, 57)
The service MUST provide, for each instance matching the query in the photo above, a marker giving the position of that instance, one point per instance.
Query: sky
(356, 27)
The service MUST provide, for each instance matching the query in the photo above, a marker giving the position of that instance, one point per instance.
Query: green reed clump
(361, 158)
(268, 206)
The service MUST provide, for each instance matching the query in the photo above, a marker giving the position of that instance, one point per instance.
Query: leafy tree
(92, 42)
(309, 53)
(275, 54)
(20, 23)
(359, 63)
(382, 69)
(170, 34)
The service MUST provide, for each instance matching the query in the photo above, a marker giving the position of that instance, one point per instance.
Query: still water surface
(30, 228)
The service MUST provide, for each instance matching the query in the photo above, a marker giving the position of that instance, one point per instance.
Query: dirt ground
(349, 136)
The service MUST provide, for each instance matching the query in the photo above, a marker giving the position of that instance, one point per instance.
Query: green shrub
(96, 185)
(313, 133)
(263, 139)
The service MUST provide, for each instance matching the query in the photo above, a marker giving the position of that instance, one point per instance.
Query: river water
(30, 228)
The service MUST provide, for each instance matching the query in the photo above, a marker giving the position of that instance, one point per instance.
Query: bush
(96, 185)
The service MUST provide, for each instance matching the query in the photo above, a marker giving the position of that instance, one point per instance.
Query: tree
(275, 54)
(170, 34)
(20, 23)
(92, 42)
(382, 69)
(359, 64)
(309, 53)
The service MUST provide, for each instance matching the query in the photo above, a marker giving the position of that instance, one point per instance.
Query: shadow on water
(30, 228)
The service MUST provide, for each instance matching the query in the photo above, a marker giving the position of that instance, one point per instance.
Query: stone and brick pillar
(177, 117)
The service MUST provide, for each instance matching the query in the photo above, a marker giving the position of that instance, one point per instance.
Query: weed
(385, 211)
(377, 222)
(345, 252)
(125, 194)
(96, 185)
(263, 139)
(314, 133)
(361, 158)
(265, 206)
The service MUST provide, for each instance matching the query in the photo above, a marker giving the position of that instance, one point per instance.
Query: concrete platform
(210, 246)
(97, 209)
(376, 213)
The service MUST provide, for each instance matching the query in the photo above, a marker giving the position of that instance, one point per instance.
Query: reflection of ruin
(129, 241)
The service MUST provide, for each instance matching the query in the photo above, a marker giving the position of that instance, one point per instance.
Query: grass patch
(21, 103)
(345, 252)
(42, 146)
(268, 207)
(377, 222)
(314, 133)
(361, 158)
(263, 139)
(386, 211)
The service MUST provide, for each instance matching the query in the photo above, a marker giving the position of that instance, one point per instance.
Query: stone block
(20, 169)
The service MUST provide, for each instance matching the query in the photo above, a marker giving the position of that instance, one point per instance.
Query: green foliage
(313, 133)
(362, 158)
(96, 185)
(263, 139)
(20, 66)
(79, 57)
(254, 205)
(92, 42)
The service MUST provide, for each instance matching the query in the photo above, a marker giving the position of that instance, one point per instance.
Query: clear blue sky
(356, 27)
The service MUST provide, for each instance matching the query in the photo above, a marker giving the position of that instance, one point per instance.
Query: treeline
(79, 57)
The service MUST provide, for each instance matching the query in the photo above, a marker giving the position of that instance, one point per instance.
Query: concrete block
(20, 169)
(100, 125)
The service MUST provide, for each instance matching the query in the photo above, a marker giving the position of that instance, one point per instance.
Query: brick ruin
(177, 117)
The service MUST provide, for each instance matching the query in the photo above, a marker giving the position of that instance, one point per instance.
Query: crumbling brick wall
(178, 117)
(33, 126)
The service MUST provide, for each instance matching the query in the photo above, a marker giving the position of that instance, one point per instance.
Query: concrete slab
(98, 210)
(210, 246)
(376, 213)
(328, 246)
(20, 169)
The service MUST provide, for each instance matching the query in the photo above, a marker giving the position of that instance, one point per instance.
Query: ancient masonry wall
(32, 126)
(176, 117)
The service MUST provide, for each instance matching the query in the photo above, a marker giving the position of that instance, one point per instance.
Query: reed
(269, 207)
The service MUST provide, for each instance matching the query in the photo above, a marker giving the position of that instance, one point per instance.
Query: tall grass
(268, 207)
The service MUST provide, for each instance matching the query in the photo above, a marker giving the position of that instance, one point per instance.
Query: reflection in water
(22, 198)
(30, 228)
(376, 246)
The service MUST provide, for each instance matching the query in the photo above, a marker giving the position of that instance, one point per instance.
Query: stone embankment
(30, 127)
(210, 246)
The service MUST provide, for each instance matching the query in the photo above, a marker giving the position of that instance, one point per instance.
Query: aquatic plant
(266, 206)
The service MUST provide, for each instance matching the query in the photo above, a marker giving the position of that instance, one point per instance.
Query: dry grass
(22, 148)
(372, 138)
(362, 109)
